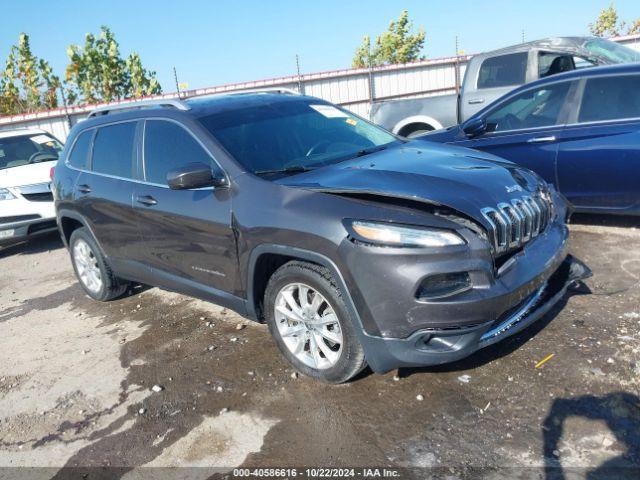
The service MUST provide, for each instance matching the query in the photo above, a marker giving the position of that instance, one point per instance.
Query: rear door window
(168, 146)
(503, 71)
(113, 149)
(79, 156)
(610, 98)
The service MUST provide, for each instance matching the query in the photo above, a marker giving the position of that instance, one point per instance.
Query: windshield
(612, 51)
(26, 149)
(293, 135)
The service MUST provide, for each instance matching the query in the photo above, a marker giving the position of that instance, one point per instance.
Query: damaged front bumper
(437, 346)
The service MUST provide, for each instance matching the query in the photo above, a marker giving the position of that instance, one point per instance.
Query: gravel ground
(77, 383)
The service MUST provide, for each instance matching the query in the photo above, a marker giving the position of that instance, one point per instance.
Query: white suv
(26, 203)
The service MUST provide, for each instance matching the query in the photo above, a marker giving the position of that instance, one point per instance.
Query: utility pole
(371, 84)
(175, 77)
(523, 35)
(66, 109)
(456, 68)
(300, 85)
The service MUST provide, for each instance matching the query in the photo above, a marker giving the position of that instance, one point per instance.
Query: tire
(417, 133)
(340, 355)
(85, 253)
(415, 130)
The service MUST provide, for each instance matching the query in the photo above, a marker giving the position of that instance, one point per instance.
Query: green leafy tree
(396, 45)
(634, 28)
(98, 73)
(609, 24)
(27, 84)
(142, 82)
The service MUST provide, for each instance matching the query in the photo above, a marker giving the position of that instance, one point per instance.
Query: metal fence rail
(355, 89)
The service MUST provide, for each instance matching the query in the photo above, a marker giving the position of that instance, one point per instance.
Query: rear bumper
(14, 232)
(434, 346)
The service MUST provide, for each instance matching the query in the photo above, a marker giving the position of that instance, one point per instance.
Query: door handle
(475, 101)
(551, 138)
(147, 200)
(84, 188)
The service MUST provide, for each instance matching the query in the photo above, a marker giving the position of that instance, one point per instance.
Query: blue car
(579, 130)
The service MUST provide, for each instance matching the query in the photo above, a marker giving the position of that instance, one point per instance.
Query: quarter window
(610, 98)
(79, 156)
(168, 146)
(113, 149)
(531, 109)
(503, 71)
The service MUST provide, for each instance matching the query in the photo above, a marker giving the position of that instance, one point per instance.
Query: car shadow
(504, 347)
(624, 221)
(620, 411)
(39, 244)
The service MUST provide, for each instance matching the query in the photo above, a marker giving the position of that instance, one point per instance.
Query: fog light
(443, 285)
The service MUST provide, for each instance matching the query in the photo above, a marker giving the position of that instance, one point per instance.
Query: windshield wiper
(367, 151)
(288, 170)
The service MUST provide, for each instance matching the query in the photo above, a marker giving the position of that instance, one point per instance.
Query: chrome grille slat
(537, 214)
(514, 224)
(526, 218)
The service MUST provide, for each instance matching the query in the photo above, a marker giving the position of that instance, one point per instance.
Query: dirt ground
(77, 378)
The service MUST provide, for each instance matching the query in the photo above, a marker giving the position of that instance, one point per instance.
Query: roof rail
(161, 102)
(284, 91)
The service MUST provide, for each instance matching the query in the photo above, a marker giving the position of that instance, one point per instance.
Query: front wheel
(311, 324)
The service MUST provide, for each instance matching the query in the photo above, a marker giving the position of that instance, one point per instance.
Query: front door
(188, 233)
(525, 129)
(599, 156)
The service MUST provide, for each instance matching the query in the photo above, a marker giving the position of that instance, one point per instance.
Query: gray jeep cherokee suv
(355, 246)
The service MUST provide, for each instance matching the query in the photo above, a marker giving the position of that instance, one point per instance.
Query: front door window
(535, 108)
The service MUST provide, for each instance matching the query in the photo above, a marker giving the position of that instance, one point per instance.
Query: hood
(459, 178)
(26, 174)
(442, 135)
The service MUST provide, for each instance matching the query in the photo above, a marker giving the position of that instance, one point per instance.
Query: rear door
(496, 76)
(104, 189)
(187, 233)
(525, 128)
(599, 157)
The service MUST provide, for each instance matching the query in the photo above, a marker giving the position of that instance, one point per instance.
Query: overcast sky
(214, 42)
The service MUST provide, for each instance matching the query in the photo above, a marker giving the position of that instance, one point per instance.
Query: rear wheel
(415, 130)
(311, 324)
(92, 270)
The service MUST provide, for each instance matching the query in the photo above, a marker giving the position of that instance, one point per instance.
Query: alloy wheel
(308, 325)
(87, 266)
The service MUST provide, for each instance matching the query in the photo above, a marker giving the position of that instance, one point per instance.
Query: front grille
(39, 197)
(38, 192)
(514, 224)
(39, 227)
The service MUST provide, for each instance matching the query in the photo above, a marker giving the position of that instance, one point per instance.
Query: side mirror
(194, 175)
(475, 127)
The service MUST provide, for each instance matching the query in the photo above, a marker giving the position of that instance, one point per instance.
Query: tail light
(51, 172)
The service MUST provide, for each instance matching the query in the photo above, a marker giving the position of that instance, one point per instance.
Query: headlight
(6, 194)
(405, 236)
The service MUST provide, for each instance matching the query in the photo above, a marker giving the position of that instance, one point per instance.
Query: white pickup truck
(490, 75)
(26, 202)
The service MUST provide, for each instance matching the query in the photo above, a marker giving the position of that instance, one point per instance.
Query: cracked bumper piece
(438, 346)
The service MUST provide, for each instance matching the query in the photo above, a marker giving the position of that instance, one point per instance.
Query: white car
(26, 203)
